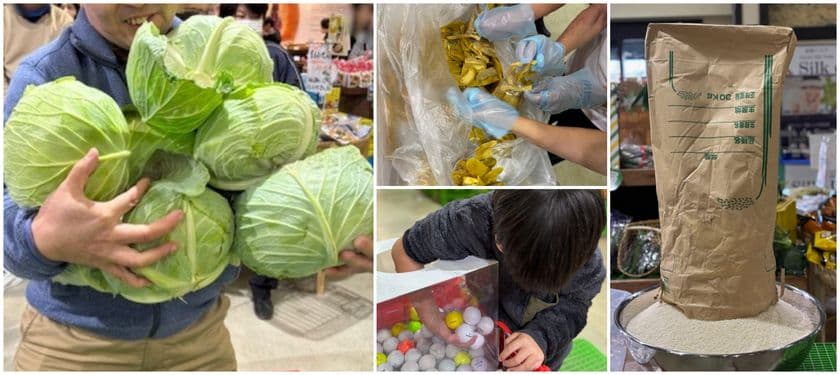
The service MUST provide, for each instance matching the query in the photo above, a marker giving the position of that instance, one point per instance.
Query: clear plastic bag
(424, 137)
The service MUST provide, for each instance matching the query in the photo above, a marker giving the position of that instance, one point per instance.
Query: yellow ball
(412, 314)
(453, 319)
(381, 358)
(396, 329)
(462, 358)
(414, 326)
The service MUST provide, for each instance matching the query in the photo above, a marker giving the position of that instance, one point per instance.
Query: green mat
(584, 357)
(821, 357)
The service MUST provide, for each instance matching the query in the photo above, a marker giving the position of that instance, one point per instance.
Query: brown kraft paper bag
(715, 100)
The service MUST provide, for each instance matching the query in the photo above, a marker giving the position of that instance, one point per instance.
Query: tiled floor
(399, 209)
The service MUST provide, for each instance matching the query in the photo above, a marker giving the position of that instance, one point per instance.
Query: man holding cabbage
(68, 327)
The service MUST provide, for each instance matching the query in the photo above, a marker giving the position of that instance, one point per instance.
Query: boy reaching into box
(549, 266)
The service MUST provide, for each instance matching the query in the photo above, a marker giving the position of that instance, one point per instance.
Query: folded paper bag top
(715, 97)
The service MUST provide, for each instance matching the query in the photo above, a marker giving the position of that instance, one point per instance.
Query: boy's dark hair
(547, 235)
(325, 23)
(268, 21)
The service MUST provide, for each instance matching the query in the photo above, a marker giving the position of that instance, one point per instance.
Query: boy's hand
(428, 312)
(521, 353)
(71, 228)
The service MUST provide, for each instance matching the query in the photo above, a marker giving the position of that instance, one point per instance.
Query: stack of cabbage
(204, 112)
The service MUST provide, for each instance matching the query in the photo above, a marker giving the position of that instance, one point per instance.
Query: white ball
(438, 351)
(480, 364)
(413, 355)
(478, 343)
(396, 359)
(446, 365)
(383, 335)
(465, 333)
(465, 368)
(385, 367)
(451, 351)
(426, 362)
(476, 352)
(485, 325)
(410, 366)
(405, 335)
(438, 340)
(390, 345)
(425, 332)
(472, 315)
(423, 345)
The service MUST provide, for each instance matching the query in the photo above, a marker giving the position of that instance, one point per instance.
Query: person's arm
(542, 10)
(587, 147)
(555, 327)
(585, 27)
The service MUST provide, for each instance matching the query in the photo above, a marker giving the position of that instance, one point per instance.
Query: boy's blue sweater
(81, 52)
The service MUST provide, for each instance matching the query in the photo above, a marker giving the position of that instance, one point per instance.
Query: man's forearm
(587, 147)
(541, 10)
(586, 26)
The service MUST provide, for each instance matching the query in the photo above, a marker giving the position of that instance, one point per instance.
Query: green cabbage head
(51, 128)
(177, 81)
(204, 236)
(255, 132)
(144, 140)
(296, 222)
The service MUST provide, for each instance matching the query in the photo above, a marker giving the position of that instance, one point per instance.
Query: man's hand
(521, 353)
(71, 228)
(356, 260)
(481, 109)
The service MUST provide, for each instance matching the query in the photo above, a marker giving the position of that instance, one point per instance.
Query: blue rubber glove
(576, 90)
(547, 53)
(506, 22)
(481, 109)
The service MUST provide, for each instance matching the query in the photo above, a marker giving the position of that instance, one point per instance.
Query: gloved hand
(483, 110)
(576, 90)
(506, 22)
(547, 53)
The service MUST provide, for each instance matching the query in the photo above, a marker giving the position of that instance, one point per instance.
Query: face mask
(255, 25)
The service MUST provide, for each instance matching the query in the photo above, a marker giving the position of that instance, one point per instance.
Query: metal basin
(787, 357)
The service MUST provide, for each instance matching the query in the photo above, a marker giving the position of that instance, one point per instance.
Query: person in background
(361, 40)
(71, 9)
(325, 27)
(269, 31)
(27, 27)
(253, 16)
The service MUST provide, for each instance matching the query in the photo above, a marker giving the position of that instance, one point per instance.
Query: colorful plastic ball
(397, 328)
(396, 359)
(472, 315)
(452, 350)
(412, 314)
(480, 364)
(485, 325)
(390, 345)
(446, 365)
(464, 368)
(414, 326)
(478, 343)
(405, 345)
(437, 350)
(427, 361)
(453, 319)
(410, 366)
(413, 355)
(381, 358)
(383, 334)
(462, 358)
(465, 333)
(385, 368)
(405, 335)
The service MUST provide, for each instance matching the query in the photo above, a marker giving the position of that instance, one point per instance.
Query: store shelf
(638, 177)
